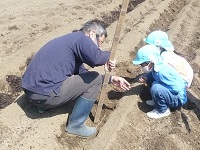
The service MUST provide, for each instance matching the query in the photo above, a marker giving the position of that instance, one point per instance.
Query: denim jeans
(163, 98)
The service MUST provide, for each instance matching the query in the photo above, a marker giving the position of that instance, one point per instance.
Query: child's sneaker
(155, 114)
(150, 102)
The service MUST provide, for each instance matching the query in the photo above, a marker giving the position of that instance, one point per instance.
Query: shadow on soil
(193, 104)
(32, 112)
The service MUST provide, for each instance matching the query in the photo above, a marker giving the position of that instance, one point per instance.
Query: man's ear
(92, 33)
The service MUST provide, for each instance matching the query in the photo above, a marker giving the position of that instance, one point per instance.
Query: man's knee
(95, 82)
(92, 76)
(97, 76)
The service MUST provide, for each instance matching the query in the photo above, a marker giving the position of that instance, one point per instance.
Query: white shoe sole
(155, 115)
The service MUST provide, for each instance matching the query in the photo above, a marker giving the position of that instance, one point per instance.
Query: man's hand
(120, 82)
(110, 65)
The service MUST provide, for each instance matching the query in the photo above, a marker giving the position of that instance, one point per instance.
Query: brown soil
(124, 125)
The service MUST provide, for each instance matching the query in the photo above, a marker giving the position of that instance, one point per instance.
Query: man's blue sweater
(59, 59)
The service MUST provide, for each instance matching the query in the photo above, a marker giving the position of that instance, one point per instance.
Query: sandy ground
(27, 25)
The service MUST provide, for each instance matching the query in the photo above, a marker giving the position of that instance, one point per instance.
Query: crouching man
(56, 75)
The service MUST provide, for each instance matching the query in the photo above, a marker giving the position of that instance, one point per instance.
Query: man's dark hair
(98, 26)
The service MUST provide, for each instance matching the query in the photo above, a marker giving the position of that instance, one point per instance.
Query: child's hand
(143, 79)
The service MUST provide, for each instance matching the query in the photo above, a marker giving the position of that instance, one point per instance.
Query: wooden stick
(112, 56)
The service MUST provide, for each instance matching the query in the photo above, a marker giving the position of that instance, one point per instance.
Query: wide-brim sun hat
(147, 53)
(159, 38)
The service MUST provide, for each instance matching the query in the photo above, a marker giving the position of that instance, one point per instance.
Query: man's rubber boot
(77, 118)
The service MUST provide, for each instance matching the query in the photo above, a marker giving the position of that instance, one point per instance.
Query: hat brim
(146, 41)
(137, 62)
(168, 46)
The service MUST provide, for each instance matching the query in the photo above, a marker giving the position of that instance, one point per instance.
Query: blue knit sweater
(59, 59)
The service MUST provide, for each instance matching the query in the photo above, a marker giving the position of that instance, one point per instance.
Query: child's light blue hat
(147, 53)
(159, 38)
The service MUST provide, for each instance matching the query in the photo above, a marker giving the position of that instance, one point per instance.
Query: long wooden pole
(112, 57)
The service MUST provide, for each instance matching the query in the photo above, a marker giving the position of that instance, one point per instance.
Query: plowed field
(27, 25)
